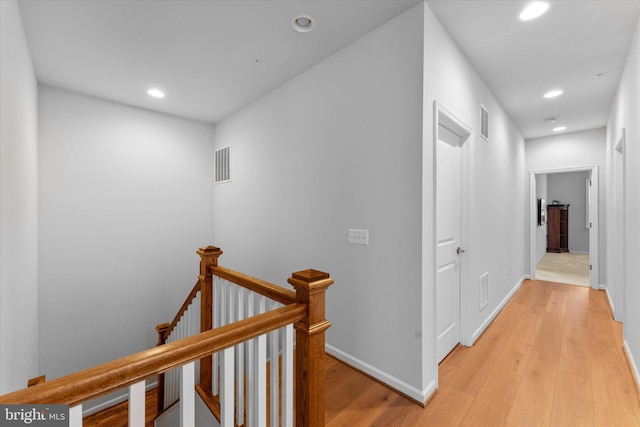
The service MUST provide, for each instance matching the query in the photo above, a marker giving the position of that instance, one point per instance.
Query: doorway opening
(564, 246)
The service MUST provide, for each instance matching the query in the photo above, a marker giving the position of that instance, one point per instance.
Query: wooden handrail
(208, 268)
(269, 290)
(94, 382)
(304, 309)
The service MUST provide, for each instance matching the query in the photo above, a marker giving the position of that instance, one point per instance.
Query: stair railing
(228, 296)
(303, 309)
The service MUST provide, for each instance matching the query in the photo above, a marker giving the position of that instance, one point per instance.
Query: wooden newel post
(310, 286)
(208, 258)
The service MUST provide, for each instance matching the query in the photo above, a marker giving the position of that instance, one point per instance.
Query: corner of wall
(18, 205)
(419, 396)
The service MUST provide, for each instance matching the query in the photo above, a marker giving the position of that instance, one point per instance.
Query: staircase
(118, 415)
(217, 358)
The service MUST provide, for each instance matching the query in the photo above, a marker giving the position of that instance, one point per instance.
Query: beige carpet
(568, 267)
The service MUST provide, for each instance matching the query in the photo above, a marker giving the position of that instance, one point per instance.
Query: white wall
(570, 189)
(18, 205)
(350, 144)
(494, 215)
(338, 147)
(125, 201)
(625, 114)
(575, 150)
(541, 230)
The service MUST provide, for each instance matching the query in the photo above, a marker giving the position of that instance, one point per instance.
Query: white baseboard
(121, 397)
(632, 365)
(609, 300)
(497, 310)
(390, 380)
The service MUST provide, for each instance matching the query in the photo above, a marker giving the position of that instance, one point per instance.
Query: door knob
(459, 250)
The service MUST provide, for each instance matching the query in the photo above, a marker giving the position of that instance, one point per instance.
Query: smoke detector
(303, 23)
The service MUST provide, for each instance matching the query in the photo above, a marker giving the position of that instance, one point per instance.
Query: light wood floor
(553, 357)
(566, 267)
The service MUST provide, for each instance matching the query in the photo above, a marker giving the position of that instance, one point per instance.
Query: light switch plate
(358, 236)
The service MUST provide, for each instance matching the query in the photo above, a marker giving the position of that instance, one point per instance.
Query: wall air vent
(484, 290)
(484, 123)
(223, 169)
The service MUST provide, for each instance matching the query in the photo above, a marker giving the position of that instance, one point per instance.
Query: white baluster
(187, 321)
(183, 327)
(261, 373)
(251, 345)
(240, 363)
(169, 389)
(287, 376)
(169, 379)
(196, 325)
(176, 384)
(196, 313)
(273, 370)
(231, 304)
(75, 416)
(216, 323)
(137, 404)
(187, 396)
(226, 388)
(222, 306)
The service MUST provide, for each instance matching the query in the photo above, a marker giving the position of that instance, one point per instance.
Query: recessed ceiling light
(553, 93)
(156, 93)
(303, 23)
(559, 128)
(533, 10)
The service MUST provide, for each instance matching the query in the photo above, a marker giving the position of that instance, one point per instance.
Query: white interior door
(447, 241)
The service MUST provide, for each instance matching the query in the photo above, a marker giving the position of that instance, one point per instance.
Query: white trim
(606, 292)
(384, 377)
(618, 187)
(497, 310)
(114, 401)
(633, 366)
(443, 116)
(593, 231)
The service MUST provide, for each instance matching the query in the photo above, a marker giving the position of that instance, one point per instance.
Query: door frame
(619, 270)
(443, 116)
(593, 214)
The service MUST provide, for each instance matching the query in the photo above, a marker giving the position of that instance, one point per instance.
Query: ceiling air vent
(484, 123)
(223, 169)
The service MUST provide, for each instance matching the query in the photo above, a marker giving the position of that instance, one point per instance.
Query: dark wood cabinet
(557, 228)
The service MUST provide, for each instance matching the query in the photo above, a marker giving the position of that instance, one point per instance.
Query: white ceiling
(563, 49)
(202, 53)
(214, 57)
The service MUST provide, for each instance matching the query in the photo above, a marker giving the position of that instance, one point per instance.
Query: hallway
(553, 357)
(568, 267)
